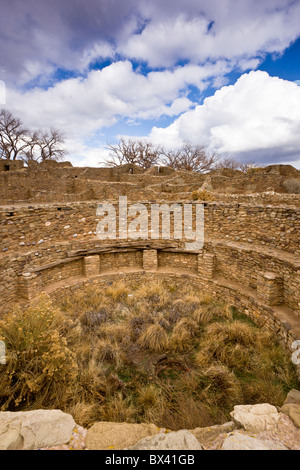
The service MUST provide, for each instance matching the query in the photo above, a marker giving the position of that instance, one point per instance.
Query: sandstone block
(208, 434)
(180, 440)
(29, 430)
(256, 418)
(293, 411)
(293, 397)
(107, 435)
(239, 441)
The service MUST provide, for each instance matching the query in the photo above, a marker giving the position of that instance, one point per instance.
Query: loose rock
(28, 430)
(180, 440)
(293, 397)
(106, 435)
(256, 418)
(238, 441)
(293, 411)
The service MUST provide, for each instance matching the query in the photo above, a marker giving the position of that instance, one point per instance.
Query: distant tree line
(188, 157)
(19, 143)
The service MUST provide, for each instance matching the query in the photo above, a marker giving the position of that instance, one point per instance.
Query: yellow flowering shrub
(39, 363)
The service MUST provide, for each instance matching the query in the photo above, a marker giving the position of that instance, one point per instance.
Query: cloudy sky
(220, 73)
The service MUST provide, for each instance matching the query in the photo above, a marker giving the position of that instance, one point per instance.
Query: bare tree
(17, 142)
(13, 135)
(124, 151)
(248, 165)
(228, 162)
(49, 145)
(233, 164)
(135, 152)
(190, 158)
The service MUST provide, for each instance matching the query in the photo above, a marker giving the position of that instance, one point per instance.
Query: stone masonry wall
(24, 227)
(242, 265)
(254, 249)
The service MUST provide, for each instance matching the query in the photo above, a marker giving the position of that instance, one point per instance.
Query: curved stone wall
(25, 227)
(250, 257)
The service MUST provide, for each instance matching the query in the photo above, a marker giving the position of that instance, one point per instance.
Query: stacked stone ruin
(250, 256)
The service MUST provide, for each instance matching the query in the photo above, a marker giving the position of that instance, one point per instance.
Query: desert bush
(40, 364)
(292, 185)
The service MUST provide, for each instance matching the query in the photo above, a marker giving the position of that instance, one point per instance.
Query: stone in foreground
(208, 434)
(239, 441)
(293, 397)
(293, 411)
(180, 440)
(256, 418)
(29, 430)
(117, 436)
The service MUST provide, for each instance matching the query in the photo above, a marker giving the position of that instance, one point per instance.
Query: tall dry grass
(140, 353)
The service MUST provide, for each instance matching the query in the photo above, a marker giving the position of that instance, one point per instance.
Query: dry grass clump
(229, 343)
(183, 307)
(115, 332)
(154, 293)
(118, 409)
(39, 360)
(183, 333)
(140, 353)
(154, 338)
(93, 319)
(118, 291)
(110, 351)
(82, 300)
(223, 387)
(202, 195)
(149, 398)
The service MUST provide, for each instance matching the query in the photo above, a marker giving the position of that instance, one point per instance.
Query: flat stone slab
(177, 440)
(239, 441)
(293, 397)
(30, 430)
(256, 418)
(293, 411)
(208, 434)
(107, 435)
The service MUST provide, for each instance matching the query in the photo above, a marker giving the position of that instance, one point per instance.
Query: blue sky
(219, 73)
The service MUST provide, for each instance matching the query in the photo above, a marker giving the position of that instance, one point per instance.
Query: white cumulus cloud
(258, 117)
(214, 29)
(82, 105)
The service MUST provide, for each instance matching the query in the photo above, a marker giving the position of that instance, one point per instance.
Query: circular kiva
(250, 257)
